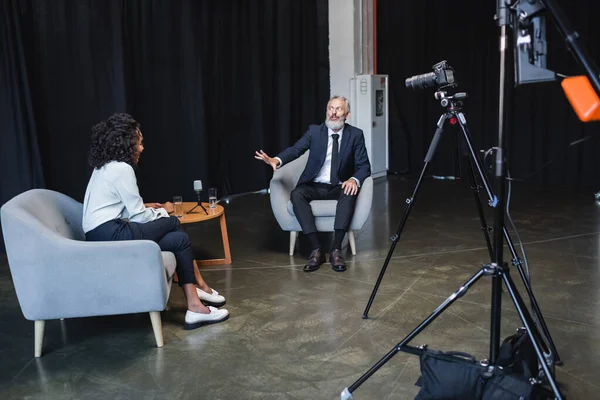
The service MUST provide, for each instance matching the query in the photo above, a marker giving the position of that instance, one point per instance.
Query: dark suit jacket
(353, 158)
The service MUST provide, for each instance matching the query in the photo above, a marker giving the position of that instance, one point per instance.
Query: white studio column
(351, 39)
(352, 60)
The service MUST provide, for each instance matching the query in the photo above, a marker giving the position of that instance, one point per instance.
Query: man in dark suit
(337, 165)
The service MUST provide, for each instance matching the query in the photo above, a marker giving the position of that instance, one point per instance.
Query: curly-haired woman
(114, 210)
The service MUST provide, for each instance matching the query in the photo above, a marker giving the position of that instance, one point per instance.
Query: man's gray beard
(335, 125)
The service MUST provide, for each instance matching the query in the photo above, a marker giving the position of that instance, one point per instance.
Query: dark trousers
(303, 194)
(164, 231)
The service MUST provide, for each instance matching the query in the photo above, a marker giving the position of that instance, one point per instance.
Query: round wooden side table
(198, 215)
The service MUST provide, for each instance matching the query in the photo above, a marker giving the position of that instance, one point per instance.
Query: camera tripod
(542, 341)
(455, 116)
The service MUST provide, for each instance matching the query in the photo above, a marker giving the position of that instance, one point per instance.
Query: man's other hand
(261, 155)
(350, 187)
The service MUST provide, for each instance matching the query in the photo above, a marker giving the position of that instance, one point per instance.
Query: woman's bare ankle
(198, 308)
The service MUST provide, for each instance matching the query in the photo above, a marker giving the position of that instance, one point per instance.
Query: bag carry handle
(462, 355)
(451, 355)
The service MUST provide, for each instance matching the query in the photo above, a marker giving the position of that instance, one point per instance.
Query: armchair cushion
(320, 208)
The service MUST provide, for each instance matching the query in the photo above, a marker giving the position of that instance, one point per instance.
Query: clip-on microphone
(198, 189)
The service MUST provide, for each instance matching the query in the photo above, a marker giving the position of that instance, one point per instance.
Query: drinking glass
(178, 203)
(212, 198)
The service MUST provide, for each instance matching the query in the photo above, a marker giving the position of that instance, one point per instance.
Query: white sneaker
(195, 320)
(214, 299)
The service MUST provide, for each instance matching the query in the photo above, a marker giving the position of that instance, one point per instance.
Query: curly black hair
(114, 140)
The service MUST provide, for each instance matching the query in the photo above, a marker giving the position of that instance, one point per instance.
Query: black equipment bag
(507, 387)
(455, 375)
(451, 375)
(517, 355)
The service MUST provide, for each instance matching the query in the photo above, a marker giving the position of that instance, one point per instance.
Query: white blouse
(112, 193)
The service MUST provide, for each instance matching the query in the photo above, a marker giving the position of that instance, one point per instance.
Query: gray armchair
(284, 181)
(57, 274)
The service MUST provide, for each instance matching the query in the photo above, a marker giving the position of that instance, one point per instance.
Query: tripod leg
(484, 226)
(409, 204)
(201, 206)
(457, 156)
(198, 205)
(515, 257)
(459, 293)
(532, 331)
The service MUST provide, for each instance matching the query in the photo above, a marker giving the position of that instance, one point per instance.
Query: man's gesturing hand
(271, 161)
(350, 187)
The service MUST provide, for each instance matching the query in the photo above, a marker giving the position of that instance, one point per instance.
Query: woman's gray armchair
(284, 181)
(57, 274)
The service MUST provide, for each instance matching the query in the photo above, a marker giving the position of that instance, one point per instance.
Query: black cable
(546, 164)
(525, 178)
(512, 223)
(510, 180)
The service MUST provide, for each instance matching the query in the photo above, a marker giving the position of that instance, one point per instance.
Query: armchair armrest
(283, 182)
(362, 208)
(280, 190)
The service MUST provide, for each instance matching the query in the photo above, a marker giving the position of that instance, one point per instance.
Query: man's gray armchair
(284, 181)
(57, 274)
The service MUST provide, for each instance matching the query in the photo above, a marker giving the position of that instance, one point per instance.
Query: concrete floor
(296, 335)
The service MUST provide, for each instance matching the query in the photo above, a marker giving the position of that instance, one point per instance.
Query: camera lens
(422, 81)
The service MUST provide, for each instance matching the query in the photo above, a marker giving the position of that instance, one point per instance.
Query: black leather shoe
(316, 259)
(337, 261)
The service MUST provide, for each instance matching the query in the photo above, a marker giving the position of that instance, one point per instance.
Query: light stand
(198, 190)
(503, 20)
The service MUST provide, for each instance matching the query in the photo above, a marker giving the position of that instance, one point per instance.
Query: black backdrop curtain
(19, 154)
(209, 81)
(20, 164)
(412, 36)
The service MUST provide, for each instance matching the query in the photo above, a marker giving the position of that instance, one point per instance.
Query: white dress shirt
(324, 175)
(112, 193)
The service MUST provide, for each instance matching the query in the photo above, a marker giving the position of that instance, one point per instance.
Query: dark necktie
(334, 159)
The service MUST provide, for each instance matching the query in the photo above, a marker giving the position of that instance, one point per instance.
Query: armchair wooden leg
(38, 331)
(352, 241)
(157, 327)
(293, 237)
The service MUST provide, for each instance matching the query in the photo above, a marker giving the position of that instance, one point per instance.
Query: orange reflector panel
(582, 97)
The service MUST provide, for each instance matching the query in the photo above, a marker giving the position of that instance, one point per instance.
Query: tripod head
(452, 102)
